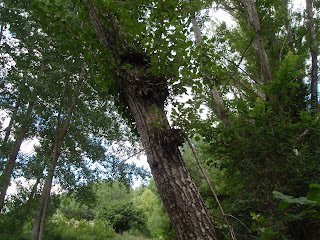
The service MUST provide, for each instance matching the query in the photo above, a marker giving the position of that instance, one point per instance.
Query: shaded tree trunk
(145, 95)
(5, 178)
(254, 22)
(314, 57)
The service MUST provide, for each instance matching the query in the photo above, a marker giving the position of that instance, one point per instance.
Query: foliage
(123, 216)
(62, 228)
(271, 146)
(158, 223)
(302, 209)
(263, 229)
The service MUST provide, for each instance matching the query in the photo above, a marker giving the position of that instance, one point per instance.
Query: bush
(61, 228)
(123, 216)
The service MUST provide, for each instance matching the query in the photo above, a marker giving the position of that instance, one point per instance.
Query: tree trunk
(3, 24)
(145, 95)
(44, 216)
(9, 128)
(59, 138)
(254, 22)
(4, 145)
(28, 203)
(42, 201)
(5, 178)
(221, 110)
(186, 209)
(314, 57)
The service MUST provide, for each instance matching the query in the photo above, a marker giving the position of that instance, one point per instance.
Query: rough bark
(314, 57)
(145, 95)
(186, 209)
(61, 131)
(254, 22)
(5, 178)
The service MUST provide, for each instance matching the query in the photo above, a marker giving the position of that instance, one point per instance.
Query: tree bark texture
(254, 22)
(186, 209)
(6, 176)
(145, 95)
(314, 57)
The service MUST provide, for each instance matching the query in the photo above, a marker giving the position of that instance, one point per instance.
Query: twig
(242, 70)
(228, 215)
(211, 188)
(123, 161)
(243, 55)
(284, 42)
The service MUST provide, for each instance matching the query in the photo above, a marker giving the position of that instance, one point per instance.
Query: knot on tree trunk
(170, 138)
(146, 85)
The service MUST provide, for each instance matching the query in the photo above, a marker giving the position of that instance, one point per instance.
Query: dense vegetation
(94, 82)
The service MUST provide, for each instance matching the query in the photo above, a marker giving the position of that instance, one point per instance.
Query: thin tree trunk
(254, 22)
(44, 216)
(29, 202)
(59, 138)
(4, 144)
(42, 201)
(222, 112)
(5, 178)
(1, 33)
(13, 116)
(145, 96)
(2, 25)
(314, 57)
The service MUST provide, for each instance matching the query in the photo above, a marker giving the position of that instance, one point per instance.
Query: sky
(222, 16)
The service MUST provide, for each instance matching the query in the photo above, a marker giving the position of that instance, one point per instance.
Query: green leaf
(128, 66)
(314, 193)
(314, 185)
(284, 205)
(197, 138)
(303, 201)
(282, 196)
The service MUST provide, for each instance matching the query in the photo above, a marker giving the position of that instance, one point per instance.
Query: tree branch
(211, 188)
